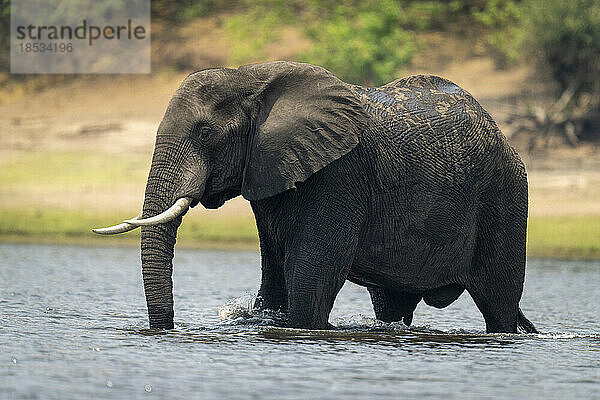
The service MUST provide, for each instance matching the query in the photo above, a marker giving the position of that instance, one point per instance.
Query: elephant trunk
(157, 244)
(158, 240)
(157, 254)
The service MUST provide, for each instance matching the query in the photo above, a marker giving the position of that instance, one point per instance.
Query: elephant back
(420, 97)
(429, 130)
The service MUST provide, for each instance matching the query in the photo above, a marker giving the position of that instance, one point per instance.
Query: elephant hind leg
(496, 284)
(391, 306)
(498, 268)
(500, 313)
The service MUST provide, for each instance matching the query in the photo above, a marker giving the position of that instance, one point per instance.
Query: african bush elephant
(409, 189)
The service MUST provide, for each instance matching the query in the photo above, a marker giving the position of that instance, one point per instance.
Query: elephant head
(254, 131)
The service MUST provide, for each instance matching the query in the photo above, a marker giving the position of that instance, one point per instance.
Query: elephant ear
(306, 119)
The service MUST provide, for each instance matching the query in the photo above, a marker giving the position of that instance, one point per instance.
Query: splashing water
(238, 307)
(241, 311)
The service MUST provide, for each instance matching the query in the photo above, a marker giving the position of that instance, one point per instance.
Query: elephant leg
(317, 265)
(391, 306)
(313, 286)
(272, 294)
(498, 270)
(499, 307)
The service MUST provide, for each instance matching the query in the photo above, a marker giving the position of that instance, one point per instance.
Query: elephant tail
(525, 324)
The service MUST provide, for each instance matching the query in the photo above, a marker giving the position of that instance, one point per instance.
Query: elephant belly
(416, 245)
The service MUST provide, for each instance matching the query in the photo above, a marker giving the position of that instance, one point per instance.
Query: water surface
(73, 326)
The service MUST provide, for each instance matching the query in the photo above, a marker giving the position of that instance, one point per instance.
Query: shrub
(182, 10)
(364, 44)
(565, 38)
(364, 41)
(502, 22)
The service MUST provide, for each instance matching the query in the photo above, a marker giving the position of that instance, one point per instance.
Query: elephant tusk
(120, 228)
(180, 206)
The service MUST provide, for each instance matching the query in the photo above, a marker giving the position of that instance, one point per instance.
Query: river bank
(81, 161)
(564, 237)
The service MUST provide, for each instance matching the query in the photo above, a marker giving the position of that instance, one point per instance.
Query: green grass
(558, 237)
(71, 170)
(65, 226)
(576, 237)
(53, 174)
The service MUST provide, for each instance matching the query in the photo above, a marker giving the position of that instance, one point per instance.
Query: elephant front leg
(315, 271)
(313, 288)
(391, 306)
(272, 294)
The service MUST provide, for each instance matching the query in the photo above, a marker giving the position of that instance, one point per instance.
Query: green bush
(183, 10)
(502, 22)
(364, 44)
(4, 36)
(565, 37)
(364, 41)
(562, 36)
(250, 32)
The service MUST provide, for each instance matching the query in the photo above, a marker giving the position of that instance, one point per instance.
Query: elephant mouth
(216, 200)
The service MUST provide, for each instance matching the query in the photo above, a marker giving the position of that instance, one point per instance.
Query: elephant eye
(202, 131)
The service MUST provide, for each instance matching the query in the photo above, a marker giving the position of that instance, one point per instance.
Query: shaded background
(75, 149)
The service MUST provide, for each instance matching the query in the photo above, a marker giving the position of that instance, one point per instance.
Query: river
(73, 325)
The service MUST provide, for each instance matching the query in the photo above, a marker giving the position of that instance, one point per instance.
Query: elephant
(409, 189)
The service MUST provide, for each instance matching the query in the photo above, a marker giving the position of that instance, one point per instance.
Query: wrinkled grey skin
(408, 189)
